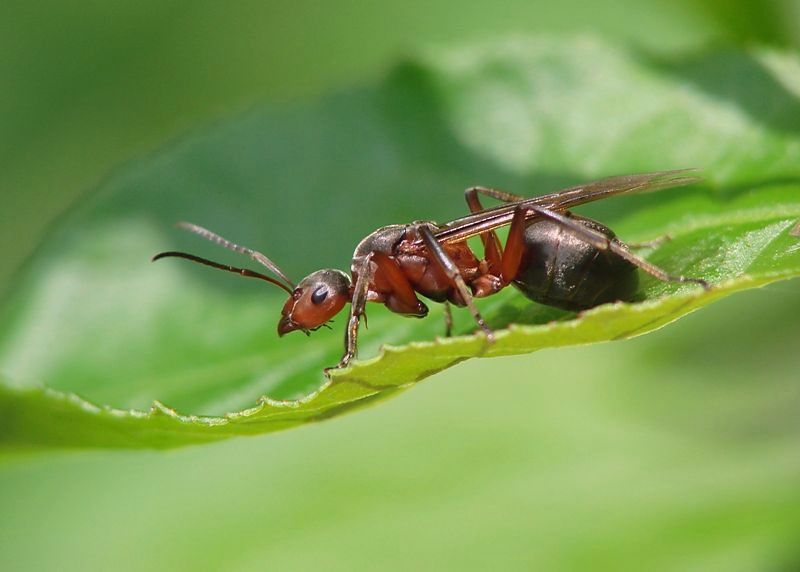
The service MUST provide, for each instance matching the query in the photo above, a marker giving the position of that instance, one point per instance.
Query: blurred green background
(618, 456)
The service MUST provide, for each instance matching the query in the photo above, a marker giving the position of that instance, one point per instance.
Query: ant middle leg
(448, 320)
(454, 274)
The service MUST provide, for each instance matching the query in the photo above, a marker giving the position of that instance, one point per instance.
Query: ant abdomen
(562, 270)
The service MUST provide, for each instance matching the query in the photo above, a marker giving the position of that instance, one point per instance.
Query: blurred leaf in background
(673, 451)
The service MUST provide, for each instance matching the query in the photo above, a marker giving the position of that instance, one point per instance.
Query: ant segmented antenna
(241, 271)
(255, 255)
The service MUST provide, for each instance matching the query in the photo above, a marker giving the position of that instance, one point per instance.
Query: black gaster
(562, 270)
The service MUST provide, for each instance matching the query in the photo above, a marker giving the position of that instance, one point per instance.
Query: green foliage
(90, 317)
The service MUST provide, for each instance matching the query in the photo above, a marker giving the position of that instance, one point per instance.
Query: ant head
(314, 301)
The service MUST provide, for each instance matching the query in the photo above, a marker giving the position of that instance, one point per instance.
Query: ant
(552, 256)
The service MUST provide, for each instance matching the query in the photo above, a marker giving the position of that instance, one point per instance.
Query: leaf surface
(90, 317)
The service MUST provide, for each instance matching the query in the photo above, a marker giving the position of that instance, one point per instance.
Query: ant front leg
(454, 274)
(357, 306)
(602, 242)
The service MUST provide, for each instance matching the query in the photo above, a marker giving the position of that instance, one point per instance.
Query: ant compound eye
(319, 295)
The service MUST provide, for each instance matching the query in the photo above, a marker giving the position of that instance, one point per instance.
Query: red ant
(551, 255)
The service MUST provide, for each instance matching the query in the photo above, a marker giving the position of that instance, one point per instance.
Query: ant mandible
(551, 255)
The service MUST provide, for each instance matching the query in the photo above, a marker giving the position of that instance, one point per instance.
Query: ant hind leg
(602, 242)
(654, 243)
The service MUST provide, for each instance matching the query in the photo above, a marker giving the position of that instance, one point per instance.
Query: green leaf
(90, 317)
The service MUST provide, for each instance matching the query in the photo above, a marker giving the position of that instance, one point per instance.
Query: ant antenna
(255, 255)
(241, 271)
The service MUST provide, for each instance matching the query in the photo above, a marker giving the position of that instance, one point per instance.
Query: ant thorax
(382, 240)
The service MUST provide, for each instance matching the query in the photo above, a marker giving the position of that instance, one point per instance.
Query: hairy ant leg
(454, 274)
(658, 241)
(602, 242)
(357, 305)
(401, 299)
(654, 243)
(474, 204)
(448, 320)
